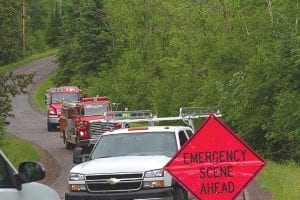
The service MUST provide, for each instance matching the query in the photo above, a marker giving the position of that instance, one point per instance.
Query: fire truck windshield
(94, 109)
(57, 97)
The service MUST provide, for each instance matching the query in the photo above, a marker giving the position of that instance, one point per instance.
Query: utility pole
(23, 27)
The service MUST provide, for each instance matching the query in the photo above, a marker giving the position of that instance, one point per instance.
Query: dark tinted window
(182, 138)
(189, 133)
(5, 179)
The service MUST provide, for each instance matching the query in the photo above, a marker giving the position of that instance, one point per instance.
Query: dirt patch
(52, 167)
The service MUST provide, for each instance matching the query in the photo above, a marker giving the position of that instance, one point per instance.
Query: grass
(12, 66)
(18, 150)
(38, 95)
(282, 180)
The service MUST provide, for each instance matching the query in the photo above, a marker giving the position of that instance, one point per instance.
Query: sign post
(215, 163)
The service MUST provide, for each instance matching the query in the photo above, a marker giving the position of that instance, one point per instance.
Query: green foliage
(243, 56)
(282, 180)
(54, 29)
(11, 85)
(37, 14)
(38, 95)
(86, 40)
(10, 28)
(18, 150)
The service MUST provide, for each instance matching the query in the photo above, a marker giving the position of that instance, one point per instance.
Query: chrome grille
(98, 128)
(114, 182)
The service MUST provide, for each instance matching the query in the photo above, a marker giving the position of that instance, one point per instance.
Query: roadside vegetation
(18, 150)
(282, 180)
(38, 95)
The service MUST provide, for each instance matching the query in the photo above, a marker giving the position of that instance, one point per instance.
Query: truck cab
(81, 124)
(54, 98)
(128, 164)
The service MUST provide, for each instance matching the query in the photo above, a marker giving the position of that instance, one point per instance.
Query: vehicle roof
(148, 129)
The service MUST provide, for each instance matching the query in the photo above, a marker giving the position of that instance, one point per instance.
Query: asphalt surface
(30, 125)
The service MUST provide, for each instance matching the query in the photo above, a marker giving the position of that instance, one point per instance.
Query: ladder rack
(186, 114)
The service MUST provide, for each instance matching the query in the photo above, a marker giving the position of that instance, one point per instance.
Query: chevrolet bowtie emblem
(112, 181)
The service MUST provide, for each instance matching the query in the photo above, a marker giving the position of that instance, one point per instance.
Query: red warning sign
(215, 163)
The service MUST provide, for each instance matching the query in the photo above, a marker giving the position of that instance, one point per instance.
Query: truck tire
(179, 193)
(49, 127)
(66, 142)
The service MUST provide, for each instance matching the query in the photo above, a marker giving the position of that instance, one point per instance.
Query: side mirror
(77, 157)
(31, 171)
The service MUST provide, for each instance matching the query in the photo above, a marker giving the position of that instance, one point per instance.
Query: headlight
(154, 173)
(76, 177)
(79, 185)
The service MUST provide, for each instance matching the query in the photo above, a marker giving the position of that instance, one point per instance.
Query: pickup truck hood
(122, 164)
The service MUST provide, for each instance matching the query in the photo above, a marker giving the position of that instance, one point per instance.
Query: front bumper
(53, 120)
(88, 142)
(140, 194)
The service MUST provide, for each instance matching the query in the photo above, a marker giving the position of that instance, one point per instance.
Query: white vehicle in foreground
(128, 164)
(20, 185)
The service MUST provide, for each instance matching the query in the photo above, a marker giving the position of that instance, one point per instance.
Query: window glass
(136, 144)
(182, 138)
(94, 109)
(189, 133)
(5, 180)
(58, 97)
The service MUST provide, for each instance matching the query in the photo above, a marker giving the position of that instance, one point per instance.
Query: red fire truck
(54, 98)
(82, 123)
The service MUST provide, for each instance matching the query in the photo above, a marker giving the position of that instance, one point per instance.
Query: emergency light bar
(95, 99)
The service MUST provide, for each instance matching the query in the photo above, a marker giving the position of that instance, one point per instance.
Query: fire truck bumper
(88, 142)
(53, 120)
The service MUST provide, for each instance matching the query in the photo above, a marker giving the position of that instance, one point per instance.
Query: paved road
(31, 125)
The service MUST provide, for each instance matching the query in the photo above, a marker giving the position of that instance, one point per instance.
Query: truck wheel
(179, 193)
(68, 145)
(49, 127)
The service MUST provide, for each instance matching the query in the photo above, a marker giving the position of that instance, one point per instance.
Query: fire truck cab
(81, 123)
(54, 98)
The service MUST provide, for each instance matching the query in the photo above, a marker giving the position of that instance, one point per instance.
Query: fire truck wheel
(68, 145)
(49, 127)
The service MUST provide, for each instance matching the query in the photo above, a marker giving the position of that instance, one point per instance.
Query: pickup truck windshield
(58, 97)
(136, 144)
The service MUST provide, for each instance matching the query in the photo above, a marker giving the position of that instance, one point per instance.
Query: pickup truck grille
(98, 128)
(114, 182)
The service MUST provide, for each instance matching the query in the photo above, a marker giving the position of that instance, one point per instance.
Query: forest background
(243, 56)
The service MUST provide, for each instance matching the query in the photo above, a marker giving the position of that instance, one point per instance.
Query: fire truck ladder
(186, 114)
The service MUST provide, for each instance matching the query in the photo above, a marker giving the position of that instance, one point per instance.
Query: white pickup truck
(128, 164)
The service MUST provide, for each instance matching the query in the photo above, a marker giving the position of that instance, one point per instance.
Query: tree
(11, 85)
(87, 40)
(10, 29)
